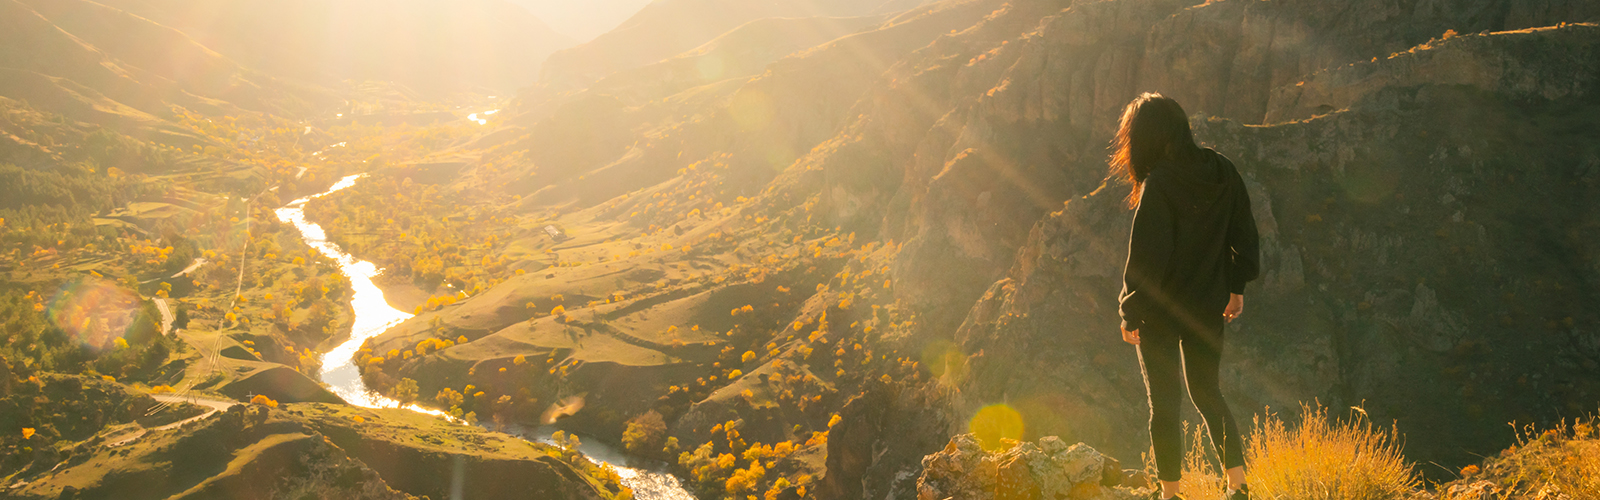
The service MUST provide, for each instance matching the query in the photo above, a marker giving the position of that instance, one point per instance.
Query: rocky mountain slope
(56, 71)
(668, 27)
(1373, 273)
(315, 451)
(909, 223)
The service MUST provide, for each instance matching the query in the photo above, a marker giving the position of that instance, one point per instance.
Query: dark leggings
(1164, 350)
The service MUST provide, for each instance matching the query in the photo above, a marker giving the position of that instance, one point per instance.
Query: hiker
(1192, 249)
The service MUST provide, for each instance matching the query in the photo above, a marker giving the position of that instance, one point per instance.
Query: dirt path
(166, 315)
(198, 261)
(213, 405)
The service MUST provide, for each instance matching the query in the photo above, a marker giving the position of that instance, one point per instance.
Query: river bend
(373, 315)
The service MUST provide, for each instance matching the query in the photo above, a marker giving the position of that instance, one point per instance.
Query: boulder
(1047, 469)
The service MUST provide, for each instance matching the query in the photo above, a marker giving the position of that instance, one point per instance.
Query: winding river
(373, 315)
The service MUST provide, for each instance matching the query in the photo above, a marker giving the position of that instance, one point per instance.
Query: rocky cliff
(1382, 222)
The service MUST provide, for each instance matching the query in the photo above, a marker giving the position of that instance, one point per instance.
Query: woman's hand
(1234, 309)
(1131, 337)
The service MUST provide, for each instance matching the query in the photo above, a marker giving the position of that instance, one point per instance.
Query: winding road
(166, 315)
(213, 405)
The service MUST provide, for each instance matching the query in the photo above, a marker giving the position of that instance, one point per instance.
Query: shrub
(448, 397)
(1326, 459)
(645, 433)
(1320, 458)
(263, 400)
(405, 391)
(745, 480)
(705, 466)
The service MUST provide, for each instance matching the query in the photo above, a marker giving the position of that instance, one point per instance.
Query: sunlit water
(482, 121)
(373, 315)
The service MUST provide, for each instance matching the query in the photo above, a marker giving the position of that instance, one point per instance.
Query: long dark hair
(1153, 128)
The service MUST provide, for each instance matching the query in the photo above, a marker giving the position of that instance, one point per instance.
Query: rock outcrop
(1048, 469)
(1380, 223)
(875, 448)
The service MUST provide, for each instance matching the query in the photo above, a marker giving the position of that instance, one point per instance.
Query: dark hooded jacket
(1193, 242)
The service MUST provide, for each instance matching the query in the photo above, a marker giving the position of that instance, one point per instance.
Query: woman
(1192, 249)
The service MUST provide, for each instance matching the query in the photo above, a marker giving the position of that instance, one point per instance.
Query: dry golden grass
(1202, 480)
(1580, 458)
(1560, 463)
(1319, 458)
(1322, 458)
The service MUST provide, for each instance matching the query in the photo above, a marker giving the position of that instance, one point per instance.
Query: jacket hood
(1199, 184)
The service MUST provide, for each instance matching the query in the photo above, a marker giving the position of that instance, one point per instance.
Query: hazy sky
(583, 19)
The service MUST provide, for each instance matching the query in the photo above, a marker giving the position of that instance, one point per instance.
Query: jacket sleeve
(1149, 252)
(1245, 243)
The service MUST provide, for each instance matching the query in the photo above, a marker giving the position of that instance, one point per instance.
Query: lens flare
(1070, 418)
(945, 362)
(93, 311)
(780, 156)
(995, 424)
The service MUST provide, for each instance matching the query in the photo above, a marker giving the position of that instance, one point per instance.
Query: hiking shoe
(1243, 493)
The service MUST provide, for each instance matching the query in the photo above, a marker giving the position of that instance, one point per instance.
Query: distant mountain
(741, 53)
(125, 63)
(665, 28)
(583, 20)
(96, 64)
(433, 46)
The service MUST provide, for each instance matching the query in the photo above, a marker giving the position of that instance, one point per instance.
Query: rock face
(1516, 64)
(874, 450)
(1381, 224)
(1049, 469)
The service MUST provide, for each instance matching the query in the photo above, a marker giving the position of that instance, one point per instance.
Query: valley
(757, 250)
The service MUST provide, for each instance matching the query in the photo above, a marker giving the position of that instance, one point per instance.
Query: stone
(1045, 470)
